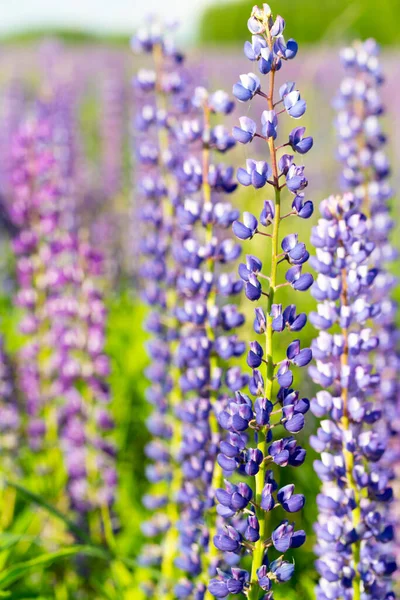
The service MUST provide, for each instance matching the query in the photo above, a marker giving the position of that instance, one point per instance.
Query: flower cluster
(365, 172)
(161, 100)
(366, 169)
(209, 319)
(352, 528)
(62, 364)
(250, 447)
(84, 418)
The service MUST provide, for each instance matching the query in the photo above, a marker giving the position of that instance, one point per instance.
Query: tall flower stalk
(365, 172)
(352, 526)
(63, 367)
(161, 98)
(251, 448)
(209, 322)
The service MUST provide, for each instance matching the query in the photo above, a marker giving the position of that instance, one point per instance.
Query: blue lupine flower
(269, 122)
(203, 260)
(294, 105)
(252, 50)
(298, 280)
(298, 142)
(266, 61)
(248, 86)
(287, 50)
(303, 209)
(268, 213)
(247, 229)
(295, 179)
(253, 421)
(295, 252)
(353, 435)
(257, 173)
(351, 440)
(245, 133)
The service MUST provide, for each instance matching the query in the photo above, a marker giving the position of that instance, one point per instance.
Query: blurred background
(82, 48)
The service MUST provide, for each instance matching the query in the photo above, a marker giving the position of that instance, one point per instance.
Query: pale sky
(96, 15)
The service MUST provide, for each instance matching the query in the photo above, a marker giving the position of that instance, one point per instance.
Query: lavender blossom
(352, 528)
(250, 447)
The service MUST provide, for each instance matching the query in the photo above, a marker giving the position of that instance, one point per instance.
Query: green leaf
(7, 540)
(12, 574)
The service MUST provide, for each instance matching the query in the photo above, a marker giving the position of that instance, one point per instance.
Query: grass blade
(79, 533)
(12, 574)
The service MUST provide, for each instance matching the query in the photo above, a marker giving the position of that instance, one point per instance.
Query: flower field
(199, 346)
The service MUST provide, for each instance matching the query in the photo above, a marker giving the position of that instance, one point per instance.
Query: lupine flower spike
(365, 172)
(62, 367)
(209, 343)
(352, 529)
(254, 446)
(162, 98)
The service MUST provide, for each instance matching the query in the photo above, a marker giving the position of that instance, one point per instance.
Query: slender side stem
(259, 549)
(348, 456)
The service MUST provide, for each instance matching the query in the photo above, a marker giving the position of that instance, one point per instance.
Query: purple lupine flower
(167, 175)
(81, 360)
(205, 254)
(365, 173)
(251, 446)
(247, 87)
(63, 323)
(352, 528)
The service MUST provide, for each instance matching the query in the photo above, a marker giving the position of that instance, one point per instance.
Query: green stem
(171, 538)
(263, 516)
(348, 456)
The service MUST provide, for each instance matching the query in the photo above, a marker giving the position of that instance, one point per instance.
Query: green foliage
(310, 22)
